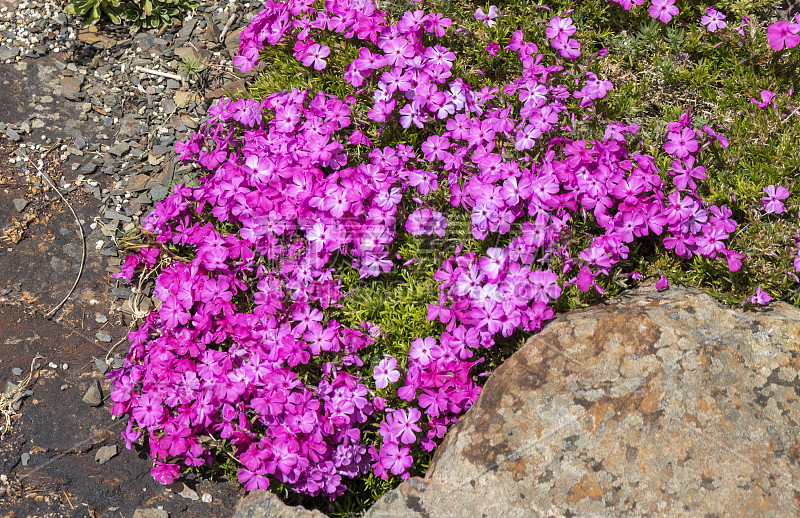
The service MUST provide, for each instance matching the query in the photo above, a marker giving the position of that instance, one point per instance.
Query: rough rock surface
(263, 504)
(652, 404)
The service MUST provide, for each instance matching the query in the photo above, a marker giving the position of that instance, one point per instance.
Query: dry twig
(8, 400)
(44, 175)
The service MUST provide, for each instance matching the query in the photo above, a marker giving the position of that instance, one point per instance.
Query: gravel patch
(135, 96)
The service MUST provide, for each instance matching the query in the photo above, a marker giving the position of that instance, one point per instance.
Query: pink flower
(385, 372)
(681, 144)
(406, 424)
(148, 410)
(560, 29)
(761, 297)
(766, 98)
(662, 283)
(783, 34)
(686, 172)
(425, 350)
(772, 201)
(545, 285)
(395, 458)
(493, 49)
(664, 10)
(713, 20)
(165, 473)
(487, 19)
(316, 54)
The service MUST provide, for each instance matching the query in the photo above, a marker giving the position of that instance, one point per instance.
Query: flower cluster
(245, 352)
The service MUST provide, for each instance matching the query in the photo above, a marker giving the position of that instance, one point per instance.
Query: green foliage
(149, 14)
(92, 10)
(140, 14)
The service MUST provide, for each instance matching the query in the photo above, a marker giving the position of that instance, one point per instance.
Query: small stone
(160, 149)
(212, 31)
(25, 458)
(206, 498)
(52, 365)
(150, 513)
(105, 453)
(101, 319)
(159, 192)
(119, 149)
(80, 143)
(16, 371)
(138, 182)
(103, 336)
(121, 293)
(184, 99)
(65, 366)
(89, 167)
(189, 493)
(101, 366)
(232, 40)
(93, 396)
(20, 204)
(8, 52)
(13, 135)
(70, 88)
(112, 214)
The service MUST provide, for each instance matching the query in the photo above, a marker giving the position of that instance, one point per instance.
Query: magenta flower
(545, 285)
(148, 410)
(386, 372)
(662, 283)
(560, 28)
(713, 20)
(772, 201)
(686, 172)
(681, 144)
(395, 458)
(488, 19)
(165, 473)
(424, 350)
(783, 34)
(761, 297)
(405, 424)
(316, 55)
(766, 98)
(663, 10)
(252, 480)
(493, 49)
(245, 346)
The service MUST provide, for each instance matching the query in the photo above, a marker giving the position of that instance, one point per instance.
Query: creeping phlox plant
(248, 354)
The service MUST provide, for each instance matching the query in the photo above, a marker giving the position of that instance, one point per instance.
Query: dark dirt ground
(54, 426)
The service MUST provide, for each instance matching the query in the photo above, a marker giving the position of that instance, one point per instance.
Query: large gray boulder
(263, 504)
(651, 404)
